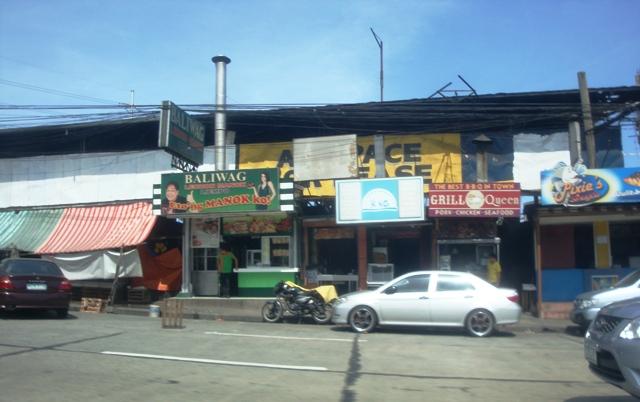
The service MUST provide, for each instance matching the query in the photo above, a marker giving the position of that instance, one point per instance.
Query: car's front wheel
(480, 322)
(363, 319)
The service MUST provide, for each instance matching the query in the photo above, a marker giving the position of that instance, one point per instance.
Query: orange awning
(100, 228)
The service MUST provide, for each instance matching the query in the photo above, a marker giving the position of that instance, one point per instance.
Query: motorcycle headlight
(632, 330)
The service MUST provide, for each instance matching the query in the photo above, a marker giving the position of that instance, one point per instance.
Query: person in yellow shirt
(494, 270)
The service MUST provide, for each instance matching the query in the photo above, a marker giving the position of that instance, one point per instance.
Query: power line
(55, 91)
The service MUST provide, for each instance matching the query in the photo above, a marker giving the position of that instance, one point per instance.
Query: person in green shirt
(226, 263)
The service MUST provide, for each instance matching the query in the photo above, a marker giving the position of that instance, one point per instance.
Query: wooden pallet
(172, 312)
(92, 305)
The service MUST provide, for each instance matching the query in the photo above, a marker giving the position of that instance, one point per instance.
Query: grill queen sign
(220, 191)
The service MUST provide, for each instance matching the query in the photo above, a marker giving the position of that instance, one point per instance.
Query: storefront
(246, 212)
(467, 216)
(587, 233)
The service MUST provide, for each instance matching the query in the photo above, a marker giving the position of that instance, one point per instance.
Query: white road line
(295, 338)
(210, 361)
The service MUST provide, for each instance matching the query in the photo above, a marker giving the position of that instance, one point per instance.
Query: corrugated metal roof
(27, 230)
(100, 228)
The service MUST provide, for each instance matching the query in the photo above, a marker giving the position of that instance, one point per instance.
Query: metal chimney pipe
(220, 115)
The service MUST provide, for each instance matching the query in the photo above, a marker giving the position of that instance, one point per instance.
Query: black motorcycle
(296, 301)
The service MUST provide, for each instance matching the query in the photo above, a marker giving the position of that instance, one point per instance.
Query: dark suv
(30, 283)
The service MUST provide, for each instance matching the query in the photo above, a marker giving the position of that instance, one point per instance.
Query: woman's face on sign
(171, 193)
(263, 177)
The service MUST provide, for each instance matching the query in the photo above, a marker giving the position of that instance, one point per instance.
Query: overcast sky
(297, 51)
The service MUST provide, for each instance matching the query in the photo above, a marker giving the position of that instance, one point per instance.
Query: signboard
(474, 200)
(434, 157)
(379, 200)
(180, 134)
(578, 186)
(279, 224)
(333, 157)
(220, 191)
(205, 233)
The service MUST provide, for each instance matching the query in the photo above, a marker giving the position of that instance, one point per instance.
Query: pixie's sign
(220, 191)
(578, 186)
(474, 200)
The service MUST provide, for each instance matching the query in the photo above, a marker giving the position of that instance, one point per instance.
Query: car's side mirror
(390, 290)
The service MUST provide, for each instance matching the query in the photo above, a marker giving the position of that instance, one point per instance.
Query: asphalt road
(107, 357)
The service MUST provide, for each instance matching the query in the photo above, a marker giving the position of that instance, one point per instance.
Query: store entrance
(467, 255)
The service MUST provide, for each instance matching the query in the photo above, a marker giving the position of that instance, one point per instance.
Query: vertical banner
(205, 233)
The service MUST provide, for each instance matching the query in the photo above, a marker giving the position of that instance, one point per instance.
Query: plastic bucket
(154, 311)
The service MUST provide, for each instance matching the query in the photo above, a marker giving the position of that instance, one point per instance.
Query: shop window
(625, 244)
(205, 259)
(417, 283)
(452, 284)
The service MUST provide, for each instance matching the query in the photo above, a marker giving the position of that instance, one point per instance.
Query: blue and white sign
(578, 186)
(380, 200)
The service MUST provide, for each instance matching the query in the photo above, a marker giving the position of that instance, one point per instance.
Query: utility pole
(638, 113)
(587, 119)
(380, 45)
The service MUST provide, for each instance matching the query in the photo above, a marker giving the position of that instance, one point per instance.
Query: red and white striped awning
(100, 228)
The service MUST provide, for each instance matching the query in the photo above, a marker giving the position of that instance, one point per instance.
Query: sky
(308, 52)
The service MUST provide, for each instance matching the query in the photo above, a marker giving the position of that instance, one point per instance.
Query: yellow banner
(435, 157)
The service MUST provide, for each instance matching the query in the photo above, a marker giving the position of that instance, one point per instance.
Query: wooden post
(362, 257)
(587, 119)
(538, 265)
(114, 284)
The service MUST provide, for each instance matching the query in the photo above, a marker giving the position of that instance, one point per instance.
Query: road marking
(210, 361)
(295, 338)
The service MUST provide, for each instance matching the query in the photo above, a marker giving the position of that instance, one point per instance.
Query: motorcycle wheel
(322, 315)
(272, 311)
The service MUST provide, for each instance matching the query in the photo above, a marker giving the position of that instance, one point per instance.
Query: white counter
(265, 269)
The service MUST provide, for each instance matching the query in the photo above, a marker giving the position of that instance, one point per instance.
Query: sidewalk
(249, 309)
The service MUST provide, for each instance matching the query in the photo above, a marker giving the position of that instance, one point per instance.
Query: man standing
(494, 270)
(226, 263)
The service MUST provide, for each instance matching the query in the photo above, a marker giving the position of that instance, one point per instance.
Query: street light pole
(380, 45)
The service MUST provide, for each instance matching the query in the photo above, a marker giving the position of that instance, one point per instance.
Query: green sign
(221, 191)
(181, 134)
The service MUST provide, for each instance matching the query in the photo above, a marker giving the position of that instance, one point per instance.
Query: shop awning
(100, 228)
(27, 230)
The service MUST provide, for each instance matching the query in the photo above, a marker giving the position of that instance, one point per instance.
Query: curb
(533, 327)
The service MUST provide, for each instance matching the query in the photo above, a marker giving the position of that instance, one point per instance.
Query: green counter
(259, 282)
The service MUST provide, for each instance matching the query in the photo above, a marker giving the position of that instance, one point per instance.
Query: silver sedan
(612, 345)
(431, 298)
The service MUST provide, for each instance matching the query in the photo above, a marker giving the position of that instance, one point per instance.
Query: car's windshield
(629, 279)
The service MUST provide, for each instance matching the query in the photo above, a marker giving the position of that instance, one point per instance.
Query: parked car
(587, 304)
(430, 298)
(29, 283)
(612, 345)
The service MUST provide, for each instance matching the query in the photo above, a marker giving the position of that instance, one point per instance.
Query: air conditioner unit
(379, 274)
